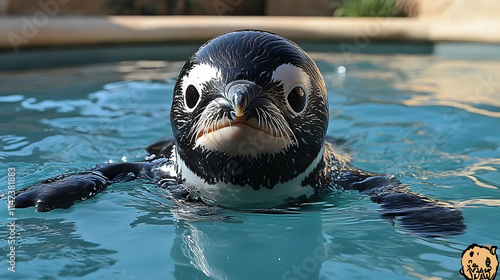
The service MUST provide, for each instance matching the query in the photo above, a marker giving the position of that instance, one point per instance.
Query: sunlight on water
(432, 122)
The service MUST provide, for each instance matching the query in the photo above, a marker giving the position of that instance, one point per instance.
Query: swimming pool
(432, 121)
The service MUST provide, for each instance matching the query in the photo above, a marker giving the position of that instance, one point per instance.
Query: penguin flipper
(64, 190)
(60, 192)
(420, 215)
(414, 212)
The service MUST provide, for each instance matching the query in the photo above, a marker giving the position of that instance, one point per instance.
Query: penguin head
(249, 108)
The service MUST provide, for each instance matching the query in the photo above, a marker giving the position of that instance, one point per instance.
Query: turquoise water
(433, 122)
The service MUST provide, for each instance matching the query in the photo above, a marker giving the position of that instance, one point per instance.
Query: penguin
(249, 118)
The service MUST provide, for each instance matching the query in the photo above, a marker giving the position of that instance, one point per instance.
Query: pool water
(433, 122)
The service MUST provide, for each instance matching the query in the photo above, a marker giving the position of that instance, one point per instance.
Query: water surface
(433, 122)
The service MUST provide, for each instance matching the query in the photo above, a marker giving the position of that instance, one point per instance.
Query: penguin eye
(191, 97)
(297, 99)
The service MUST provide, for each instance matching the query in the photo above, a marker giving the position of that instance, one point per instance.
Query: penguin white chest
(233, 196)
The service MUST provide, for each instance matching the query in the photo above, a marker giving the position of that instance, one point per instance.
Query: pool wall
(75, 40)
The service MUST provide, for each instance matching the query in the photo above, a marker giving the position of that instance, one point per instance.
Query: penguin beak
(240, 95)
(242, 122)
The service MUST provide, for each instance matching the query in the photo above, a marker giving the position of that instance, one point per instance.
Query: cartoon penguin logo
(479, 262)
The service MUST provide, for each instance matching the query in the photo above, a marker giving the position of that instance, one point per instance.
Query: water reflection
(443, 140)
(251, 246)
(58, 249)
(469, 86)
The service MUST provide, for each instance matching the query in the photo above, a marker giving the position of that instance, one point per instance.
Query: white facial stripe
(291, 76)
(198, 75)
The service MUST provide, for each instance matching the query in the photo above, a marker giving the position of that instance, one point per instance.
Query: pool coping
(32, 42)
(40, 31)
